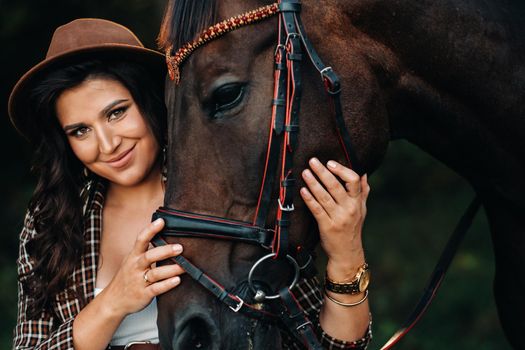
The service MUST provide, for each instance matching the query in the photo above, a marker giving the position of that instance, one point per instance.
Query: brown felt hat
(76, 41)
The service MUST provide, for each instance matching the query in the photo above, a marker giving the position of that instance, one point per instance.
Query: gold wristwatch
(358, 285)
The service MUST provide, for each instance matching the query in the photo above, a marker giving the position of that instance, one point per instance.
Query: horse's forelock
(184, 20)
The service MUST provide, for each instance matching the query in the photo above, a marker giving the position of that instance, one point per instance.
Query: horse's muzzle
(197, 331)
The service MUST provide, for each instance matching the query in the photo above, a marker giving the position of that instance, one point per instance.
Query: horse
(448, 76)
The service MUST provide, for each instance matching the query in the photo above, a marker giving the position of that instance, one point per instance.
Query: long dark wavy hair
(56, 204)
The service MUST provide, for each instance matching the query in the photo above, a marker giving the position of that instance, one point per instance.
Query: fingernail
(157, 222)
(304, 192)
(315, 161)
(177, 248)
(331, 164)
(307, 173)
(176, 280)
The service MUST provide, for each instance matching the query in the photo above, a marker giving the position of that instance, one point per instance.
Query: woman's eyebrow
(73, 126)
(104, 113)
(110, 106)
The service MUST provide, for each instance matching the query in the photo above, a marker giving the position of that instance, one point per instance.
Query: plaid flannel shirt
(54, 330)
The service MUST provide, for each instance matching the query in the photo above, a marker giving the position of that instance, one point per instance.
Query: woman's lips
(122, 160)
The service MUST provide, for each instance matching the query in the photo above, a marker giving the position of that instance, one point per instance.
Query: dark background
(414, 204)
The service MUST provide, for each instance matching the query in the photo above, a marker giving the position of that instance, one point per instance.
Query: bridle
(292, 46)
(284, 127)
(282, 142)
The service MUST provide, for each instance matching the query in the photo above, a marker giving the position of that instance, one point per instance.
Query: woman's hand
(137, 282)
(340, 212)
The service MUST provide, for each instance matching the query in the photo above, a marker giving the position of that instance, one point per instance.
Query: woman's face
(107, 132)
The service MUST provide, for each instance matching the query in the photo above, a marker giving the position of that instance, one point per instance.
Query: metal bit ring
(292, 261)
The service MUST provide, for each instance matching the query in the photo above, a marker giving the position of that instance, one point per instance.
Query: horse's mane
(183, 20)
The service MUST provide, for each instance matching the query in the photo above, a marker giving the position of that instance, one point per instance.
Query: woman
(93, 111)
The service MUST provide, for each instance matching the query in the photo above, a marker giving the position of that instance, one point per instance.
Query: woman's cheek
(84, 150)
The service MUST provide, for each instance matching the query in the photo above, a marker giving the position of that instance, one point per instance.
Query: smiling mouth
(122, 159)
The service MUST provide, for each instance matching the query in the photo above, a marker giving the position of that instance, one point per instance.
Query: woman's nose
(108, 140)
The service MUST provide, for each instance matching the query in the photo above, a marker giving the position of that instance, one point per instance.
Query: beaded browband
(175, 61)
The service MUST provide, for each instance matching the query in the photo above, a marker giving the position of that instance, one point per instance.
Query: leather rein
(292, 46)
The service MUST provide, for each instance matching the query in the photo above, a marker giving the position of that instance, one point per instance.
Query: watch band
(353, 287)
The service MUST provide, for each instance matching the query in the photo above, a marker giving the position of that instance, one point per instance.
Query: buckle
(290, 36)
(303, 325)
(287, 208)
(130, 344)
(325, 69)
(277, 48)
(324, 78)
(238, 306)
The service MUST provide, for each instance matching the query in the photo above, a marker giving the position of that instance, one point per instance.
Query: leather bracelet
(346, 304)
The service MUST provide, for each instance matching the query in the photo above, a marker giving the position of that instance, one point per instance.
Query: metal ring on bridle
(292, 261)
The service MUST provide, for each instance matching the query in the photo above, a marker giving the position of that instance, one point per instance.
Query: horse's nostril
(198, 332)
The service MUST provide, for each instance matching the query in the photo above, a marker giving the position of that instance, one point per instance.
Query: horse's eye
(225, 98)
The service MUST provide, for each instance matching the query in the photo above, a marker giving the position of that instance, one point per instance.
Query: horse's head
(219, 121)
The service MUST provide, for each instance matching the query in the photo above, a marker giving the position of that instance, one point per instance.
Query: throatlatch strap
(333, 89)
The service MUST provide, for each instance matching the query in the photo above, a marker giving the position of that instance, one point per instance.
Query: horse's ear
(163, 39)
(183, 20)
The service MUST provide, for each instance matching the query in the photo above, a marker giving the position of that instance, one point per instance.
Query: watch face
(364, 280)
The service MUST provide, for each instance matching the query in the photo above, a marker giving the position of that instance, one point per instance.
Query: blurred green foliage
(413, 208)
(414, 205)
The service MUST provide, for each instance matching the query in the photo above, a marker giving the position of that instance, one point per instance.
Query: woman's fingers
(365, 186)
(163, 286)
(328, 180)
(146, 257)
(317, 210)
(146, 235)
(321, 195)
(137, 281)
(351, 179)
(162, 272)
(159, 253)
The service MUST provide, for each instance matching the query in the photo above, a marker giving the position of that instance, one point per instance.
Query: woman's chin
(127, 179)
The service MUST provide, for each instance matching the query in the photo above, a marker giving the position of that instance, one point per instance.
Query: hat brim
(152, 60)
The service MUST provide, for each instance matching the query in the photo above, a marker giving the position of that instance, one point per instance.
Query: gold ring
(145, 276)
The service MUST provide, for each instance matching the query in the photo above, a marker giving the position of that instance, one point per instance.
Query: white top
(140, 326)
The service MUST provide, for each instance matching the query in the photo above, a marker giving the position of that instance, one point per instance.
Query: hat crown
(89, 32)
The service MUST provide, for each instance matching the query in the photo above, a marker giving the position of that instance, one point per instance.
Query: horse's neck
(472, 49)
(455, 84)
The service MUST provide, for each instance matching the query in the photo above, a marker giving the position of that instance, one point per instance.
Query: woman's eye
(80, 132)
(117, 113)
(225, 98)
